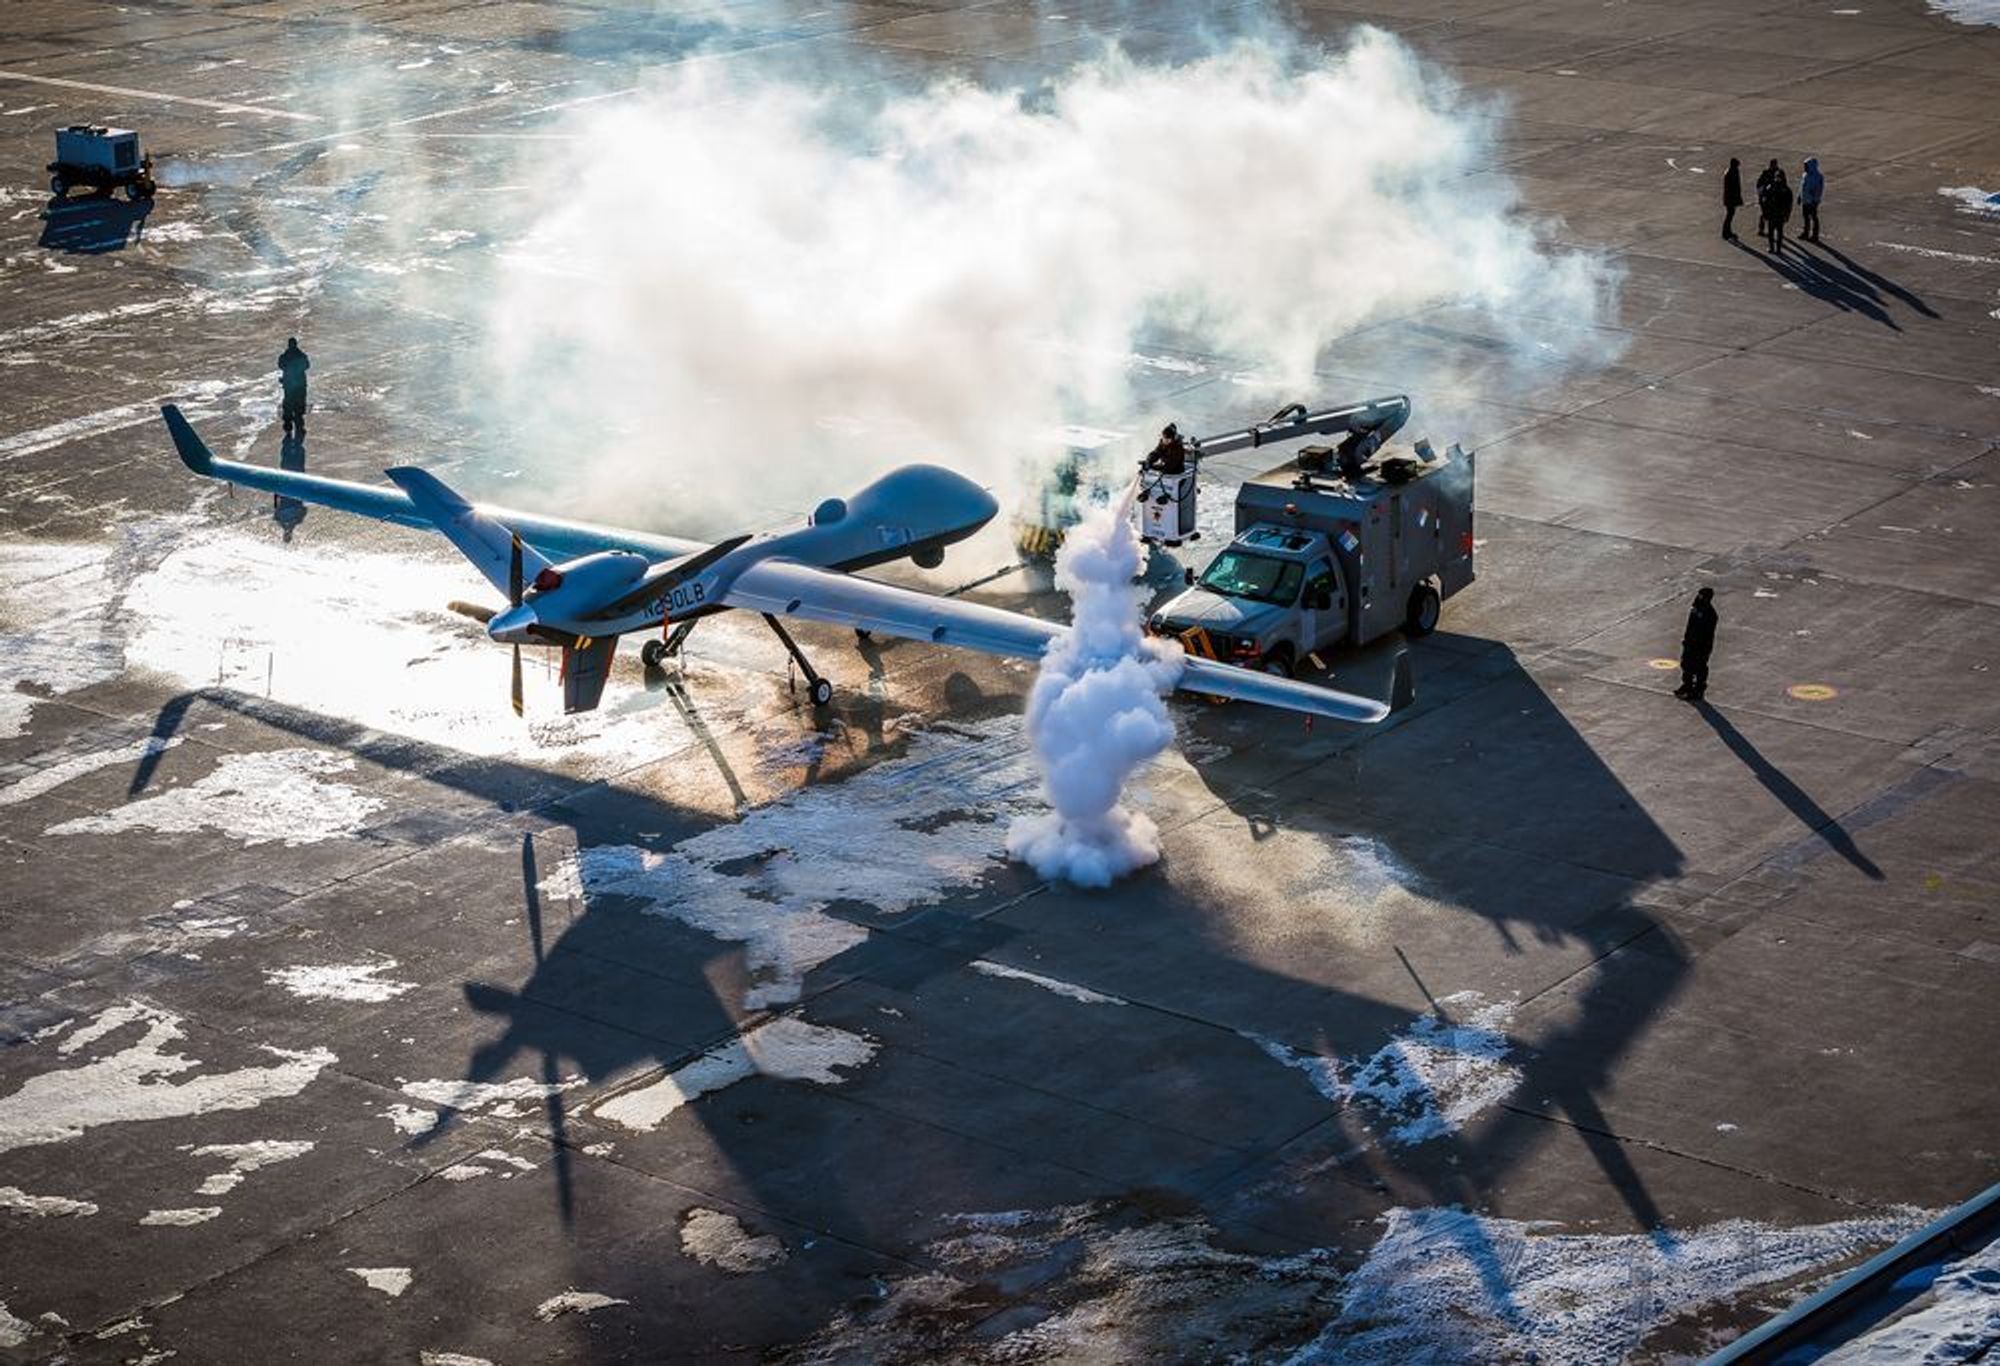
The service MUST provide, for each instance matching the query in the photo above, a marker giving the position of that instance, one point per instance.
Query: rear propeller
(514, 591)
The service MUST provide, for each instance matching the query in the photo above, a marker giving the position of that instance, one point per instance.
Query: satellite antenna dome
(829, 512)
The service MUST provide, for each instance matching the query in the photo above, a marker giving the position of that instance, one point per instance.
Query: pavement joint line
(1789, 452)
(1652, 926)
(1668, 1150)
(1146, 1121)
(1844, 415)
(221, 106)
(364, 129)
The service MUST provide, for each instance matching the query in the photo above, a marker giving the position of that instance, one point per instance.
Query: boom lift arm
(1367, 424)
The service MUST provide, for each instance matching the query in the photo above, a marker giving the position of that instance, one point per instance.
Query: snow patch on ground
(1972, 199)
(180, 1218)
(450, 1359)
(1428, 1081)
(1969, 11)
(340, 981)
(390, 1280)
(1957, 1320)
(504, 1099)
(52, 775)
(719, 1240)
(1059, 987)
(574, 1302)
(786, 1048)
(1113, 1282)
(13, 1331)
(408, 1119)
(18, 1201)
(126, 1085)
(1446, 1285)
(488, 1162)
(1106, 1284)
(244, 1158)
(900, 834)
(280, 795)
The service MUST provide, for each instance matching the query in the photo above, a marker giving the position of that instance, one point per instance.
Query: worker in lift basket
(1170, 456)
(292, 367)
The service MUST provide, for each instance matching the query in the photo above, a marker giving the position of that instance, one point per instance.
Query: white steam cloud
(1095, 713)
(742, 291)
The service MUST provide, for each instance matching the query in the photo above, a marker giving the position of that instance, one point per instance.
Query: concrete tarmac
(346, 1018)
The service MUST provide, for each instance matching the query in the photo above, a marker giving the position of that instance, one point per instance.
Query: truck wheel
(1278, 661)
(1422, 617)
(58, 186)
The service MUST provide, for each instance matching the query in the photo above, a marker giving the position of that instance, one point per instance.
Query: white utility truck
(1338, 545)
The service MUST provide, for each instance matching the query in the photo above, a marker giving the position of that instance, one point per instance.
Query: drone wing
(785, 588)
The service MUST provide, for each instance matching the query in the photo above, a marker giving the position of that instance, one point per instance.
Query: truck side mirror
(1187, 576)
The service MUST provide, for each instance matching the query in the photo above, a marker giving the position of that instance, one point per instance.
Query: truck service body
(1325, 556)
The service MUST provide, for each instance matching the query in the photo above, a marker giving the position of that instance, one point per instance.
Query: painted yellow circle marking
(1663, 664)
(1811, 692)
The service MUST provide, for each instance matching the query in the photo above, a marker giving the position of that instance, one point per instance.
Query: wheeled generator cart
(103, 159)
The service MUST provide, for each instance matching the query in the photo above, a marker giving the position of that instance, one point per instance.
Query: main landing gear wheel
(653, 653)
(821, 692)
(1422, 617)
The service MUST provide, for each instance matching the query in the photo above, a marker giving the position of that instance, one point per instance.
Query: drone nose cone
(512, 625)
(981, 505)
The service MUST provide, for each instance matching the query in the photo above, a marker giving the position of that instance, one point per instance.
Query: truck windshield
(1258, 577)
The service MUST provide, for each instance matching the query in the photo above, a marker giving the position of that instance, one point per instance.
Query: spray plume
(1095, 713)
(743, 291)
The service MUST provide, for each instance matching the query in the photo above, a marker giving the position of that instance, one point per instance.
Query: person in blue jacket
(1812, 189)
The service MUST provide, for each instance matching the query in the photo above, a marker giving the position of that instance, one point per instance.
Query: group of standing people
(1775, 200)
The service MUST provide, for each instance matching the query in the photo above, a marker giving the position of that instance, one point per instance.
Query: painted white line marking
(222, 105)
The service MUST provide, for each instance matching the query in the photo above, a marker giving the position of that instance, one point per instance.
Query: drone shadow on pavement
(1474, 829)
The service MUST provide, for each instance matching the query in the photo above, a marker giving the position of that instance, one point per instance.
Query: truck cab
(1271, 597)
(1324, 556)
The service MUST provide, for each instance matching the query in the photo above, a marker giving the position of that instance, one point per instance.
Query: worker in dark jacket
(1170, 456)
(1777, 210)
(292, 367)
(1764, 179)
(1697, 641)
(1732, 198)
(1812, 189)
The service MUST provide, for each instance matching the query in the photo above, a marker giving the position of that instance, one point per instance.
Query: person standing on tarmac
(1764, 179)
(1777, 210)
(1697, 642)
(292, 367)
(1732, 198)
(1812, 189)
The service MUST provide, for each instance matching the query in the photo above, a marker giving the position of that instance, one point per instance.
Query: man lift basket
(1170, 476)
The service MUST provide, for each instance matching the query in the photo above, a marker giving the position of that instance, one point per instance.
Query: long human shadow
(1877, 280)
(1810, 813)
(1822, 280)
